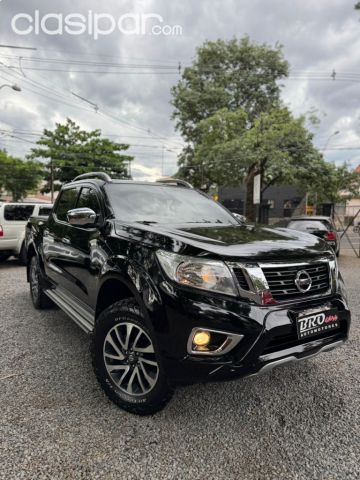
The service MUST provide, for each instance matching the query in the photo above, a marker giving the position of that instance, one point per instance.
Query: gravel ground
(299, 421)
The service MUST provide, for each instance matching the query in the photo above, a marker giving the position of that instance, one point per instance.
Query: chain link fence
(347, 220)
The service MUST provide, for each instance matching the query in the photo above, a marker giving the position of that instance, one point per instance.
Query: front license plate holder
(317, 323)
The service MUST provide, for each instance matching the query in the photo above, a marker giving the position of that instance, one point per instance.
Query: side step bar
(71, 307)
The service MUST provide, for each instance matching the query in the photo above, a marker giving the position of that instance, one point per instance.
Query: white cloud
(140, 172)
(317, 36)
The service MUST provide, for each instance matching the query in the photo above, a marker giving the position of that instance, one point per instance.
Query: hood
(233, 241)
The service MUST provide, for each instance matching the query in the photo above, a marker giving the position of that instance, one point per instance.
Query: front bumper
(269, 335)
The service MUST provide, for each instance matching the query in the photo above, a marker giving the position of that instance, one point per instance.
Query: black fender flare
(136, 280)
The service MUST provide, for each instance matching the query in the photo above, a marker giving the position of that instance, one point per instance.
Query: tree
(357, 6)
(71, 151)
(19, 177)
(229, 152)
(237, 74)
(330, 183)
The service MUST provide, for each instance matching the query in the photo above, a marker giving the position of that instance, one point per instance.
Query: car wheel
(37, 286)
(127, 362)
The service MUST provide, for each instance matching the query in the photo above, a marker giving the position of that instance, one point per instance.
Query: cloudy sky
(128, 73)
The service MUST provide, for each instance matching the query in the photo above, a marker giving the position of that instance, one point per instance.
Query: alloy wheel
(34, 280)
(130, 360)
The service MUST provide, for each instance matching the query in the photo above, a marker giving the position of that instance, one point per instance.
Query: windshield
(165, 204)
(306, 225)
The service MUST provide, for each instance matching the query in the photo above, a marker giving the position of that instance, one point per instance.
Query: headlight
(212, 275)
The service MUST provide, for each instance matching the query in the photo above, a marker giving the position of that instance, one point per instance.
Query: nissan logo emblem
(303, 281)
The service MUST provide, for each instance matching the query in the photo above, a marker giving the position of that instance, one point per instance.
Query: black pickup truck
(174, 290)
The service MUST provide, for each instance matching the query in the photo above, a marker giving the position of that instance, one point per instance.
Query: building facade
(282, 201)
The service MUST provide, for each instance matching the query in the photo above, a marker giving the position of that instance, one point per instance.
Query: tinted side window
(18, 213)
(88, 199)
(66, 202)
(44, 211)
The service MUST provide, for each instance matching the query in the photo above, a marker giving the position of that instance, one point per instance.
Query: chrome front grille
(240, 277)
(266, 283)
(281, 280)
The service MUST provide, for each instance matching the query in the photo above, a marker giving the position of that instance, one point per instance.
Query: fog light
(204, 341)
(201, 338)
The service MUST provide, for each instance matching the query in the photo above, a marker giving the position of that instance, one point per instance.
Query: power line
(294, 74)
(104, 112)
(31, 133)
(11, 134)
(41, 87)
(175, 66)
(102, 55)
(26, 88)
(18, 47)
(84, 62)
(131, 145)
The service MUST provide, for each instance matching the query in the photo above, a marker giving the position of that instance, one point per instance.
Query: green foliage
(357, 6)
(227, 76)
(230, 152)
(19, 177)
(72, 151)
(228, 109)
(277, 145)
(234, 74)
(330, 183)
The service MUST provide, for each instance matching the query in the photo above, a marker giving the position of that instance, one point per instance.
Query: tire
(127, 362)
(37, 286)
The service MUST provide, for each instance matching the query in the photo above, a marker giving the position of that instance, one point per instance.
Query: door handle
(66, 240)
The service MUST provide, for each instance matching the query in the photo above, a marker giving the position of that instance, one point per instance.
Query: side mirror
(239, 218)
(82, 217)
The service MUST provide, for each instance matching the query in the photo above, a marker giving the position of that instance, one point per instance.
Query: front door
(87, 245)
(57, 249)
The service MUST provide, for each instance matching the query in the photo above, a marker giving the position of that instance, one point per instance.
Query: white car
(13, 219)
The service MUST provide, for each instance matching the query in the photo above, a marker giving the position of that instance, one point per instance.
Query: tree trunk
(250, 208)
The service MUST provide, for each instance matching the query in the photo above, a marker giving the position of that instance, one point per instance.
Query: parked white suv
(13, 219)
